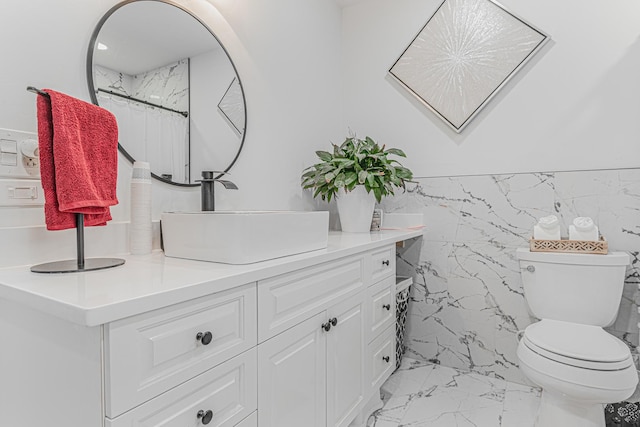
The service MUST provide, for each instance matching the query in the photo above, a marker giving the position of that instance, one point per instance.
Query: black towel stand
(79, 264)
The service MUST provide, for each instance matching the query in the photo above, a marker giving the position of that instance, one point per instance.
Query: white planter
(356, 210)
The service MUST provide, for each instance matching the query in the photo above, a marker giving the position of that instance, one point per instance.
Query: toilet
(579, 366)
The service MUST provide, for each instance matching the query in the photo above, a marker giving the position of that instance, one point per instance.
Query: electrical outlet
(21, 192)
(19, 154)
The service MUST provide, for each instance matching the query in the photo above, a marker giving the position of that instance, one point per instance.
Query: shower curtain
(151, 135)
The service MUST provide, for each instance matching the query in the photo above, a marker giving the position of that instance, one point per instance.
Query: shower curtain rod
(131, 98)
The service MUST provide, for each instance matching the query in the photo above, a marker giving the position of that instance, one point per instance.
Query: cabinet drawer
(381, 307)
(250, 421)
(148, 354)
(383, 263)
(229, 391)
(288, 299)
(381, 358)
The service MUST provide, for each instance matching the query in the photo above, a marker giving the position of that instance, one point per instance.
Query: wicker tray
(573, 246)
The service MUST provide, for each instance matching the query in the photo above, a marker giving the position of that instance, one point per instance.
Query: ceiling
(143, 36)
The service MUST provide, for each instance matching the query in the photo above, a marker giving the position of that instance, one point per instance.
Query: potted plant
(357, 174)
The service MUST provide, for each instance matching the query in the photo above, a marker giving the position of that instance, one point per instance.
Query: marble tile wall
(467, 303)
(114, 81)
(167, 86)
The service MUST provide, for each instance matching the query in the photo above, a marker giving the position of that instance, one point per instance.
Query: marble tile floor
(420, 394)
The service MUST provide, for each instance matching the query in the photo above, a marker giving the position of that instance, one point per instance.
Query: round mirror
(172, 87)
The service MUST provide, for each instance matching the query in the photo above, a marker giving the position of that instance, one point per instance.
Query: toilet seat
(581, 346)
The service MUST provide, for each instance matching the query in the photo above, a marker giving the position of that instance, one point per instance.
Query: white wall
(287, 53)
(214, 142)
(573, 107)
(290, 69)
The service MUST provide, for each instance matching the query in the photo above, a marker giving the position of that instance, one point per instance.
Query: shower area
(152, 110)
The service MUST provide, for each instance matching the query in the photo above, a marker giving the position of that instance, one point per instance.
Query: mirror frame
(94, 98)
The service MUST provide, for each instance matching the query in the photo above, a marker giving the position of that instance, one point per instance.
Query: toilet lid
(574, 341)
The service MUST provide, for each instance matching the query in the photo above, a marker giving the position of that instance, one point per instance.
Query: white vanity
(300, 341)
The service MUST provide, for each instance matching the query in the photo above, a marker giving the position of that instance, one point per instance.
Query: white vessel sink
(242, 237)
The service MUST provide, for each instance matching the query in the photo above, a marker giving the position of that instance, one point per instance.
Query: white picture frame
(465, 53)
(231, 106)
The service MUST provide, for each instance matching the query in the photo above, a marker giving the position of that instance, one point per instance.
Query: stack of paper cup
(140, 231)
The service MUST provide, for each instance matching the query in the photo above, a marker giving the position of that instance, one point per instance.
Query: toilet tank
(580, 288)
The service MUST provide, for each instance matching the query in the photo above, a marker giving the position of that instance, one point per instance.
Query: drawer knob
(204, 337)
(331, 322)
(386, 359)
(387, 307)
(205, 416)
(385, 262)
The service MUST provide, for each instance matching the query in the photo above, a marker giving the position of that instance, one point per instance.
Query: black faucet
(206, 185)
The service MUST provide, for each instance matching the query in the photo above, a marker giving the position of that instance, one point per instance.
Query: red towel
(78, 144)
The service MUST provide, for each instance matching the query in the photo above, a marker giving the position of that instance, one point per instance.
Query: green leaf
(371, 180)
(404, 173)
(324, 156)
(396, 151)
(343, 162)
(329, 177)
(306, 182)
(326, 169)
(378, 193)
(350, 178)
(362, 176)
(319, 180)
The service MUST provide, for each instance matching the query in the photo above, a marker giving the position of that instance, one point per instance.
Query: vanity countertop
(149, 282)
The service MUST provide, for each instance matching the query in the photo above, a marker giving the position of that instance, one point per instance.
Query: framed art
(231, 106)
(465, 53)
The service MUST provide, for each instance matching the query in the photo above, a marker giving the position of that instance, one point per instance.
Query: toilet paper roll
(583, 228)
(583, 223)
(547, 228)
(550, 222)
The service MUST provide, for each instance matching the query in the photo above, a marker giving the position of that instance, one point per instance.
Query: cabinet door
(291, 379)
(346, 348)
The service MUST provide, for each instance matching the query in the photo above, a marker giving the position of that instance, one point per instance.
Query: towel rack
(79, 264)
